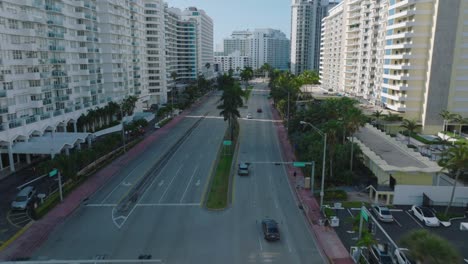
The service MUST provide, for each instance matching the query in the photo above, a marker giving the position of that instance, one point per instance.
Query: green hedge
(334, 195)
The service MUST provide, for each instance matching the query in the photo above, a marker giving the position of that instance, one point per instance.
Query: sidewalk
(32, 238)
(328, 241)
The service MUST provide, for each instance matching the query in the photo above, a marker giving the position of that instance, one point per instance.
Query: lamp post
(324, 135)
(123, 128)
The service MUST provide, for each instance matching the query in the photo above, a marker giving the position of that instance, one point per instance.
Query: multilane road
(168, 221)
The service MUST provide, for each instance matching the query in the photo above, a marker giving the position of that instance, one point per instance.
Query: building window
(17, 55)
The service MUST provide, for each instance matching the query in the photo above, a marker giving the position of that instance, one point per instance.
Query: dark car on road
(270, 229)
(243, 169)
(259, 110)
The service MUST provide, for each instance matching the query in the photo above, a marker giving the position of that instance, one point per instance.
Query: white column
(89, 141)
(75, 128)
(1, 162)
(67, 151)
(10, 157)
(18, 158)
(28, 158)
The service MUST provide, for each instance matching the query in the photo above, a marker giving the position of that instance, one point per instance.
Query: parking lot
(404, 223)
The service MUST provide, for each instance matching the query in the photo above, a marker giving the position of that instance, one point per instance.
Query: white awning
(48, 143)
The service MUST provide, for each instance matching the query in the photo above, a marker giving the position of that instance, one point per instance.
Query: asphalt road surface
(168, 221)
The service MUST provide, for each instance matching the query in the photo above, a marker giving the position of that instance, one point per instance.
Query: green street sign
(364, 215)
(299, 164)
(227, 142)
(53, 173)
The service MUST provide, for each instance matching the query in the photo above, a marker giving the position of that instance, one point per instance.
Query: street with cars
(169, 221)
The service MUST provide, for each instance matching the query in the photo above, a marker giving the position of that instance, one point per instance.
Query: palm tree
(455, 159)
(447, 116)
(174, 78)
(354, 119)
(366, 240)
(410, 126)
(427, 247)
(231, 101)
(377, 114)
(458, 119)
(207, 66)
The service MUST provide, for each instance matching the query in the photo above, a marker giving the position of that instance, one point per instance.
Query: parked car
(402, 256)
(425, 215)
(23, 198)
(382, 213)
(270, 229)
(259, 110)
(379, 256)
(249, 116)
(243, 169)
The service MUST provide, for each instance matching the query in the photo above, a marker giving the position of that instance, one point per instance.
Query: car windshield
(385, 212)
(272, 230)
(21, 198)
(427, 212)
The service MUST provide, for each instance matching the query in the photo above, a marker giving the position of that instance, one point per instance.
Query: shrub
(335, 195)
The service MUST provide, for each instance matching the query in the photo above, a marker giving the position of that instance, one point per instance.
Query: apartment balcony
(398, 87)
(396, 107)
(403, 67)
(407, 13)
(403, 77)
(396, 97)
(403, 56)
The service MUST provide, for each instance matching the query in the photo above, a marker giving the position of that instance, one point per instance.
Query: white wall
(412, 194)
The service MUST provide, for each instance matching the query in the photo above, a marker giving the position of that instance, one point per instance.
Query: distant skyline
(231, 15)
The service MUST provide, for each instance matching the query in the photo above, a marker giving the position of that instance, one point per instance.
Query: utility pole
(288, 111)
(60, 186)
(323, 168)
(123, 128)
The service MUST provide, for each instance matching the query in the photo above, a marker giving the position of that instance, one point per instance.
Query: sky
(230, 15)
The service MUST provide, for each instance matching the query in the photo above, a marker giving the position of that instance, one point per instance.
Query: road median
(220, 181)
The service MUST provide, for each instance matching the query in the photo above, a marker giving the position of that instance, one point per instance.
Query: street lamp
(324, 135)
(123, 127)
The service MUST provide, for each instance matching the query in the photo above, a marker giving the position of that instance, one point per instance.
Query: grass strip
(218, 194)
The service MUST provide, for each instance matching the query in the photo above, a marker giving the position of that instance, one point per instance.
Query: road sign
(227, 142)
(364, 214)
(299, 164)
(53, 173)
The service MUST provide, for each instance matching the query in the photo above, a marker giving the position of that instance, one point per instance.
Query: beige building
(407, 55)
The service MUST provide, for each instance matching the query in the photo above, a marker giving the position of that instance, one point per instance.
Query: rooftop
(390, 154)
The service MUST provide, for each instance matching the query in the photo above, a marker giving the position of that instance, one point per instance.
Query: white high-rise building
(205, 48)
(235, 62)
(306, 23)
(408, 55)
(261, 46)
(60, 59)
(352, 42)
(155, 57)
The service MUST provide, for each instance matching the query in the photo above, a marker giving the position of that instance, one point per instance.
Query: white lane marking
(260, 243)
(126, 184)
(167, 188)
(101, 205)
(167, 204)
(124, 180)
(417, 222)
(92, 261)
(396, 221)
(161, 183)
(197, 183)
(289, 245)
(188, 184)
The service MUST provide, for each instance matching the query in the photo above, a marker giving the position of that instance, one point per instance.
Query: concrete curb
(284, 142)
(16, 235)
(29, 241)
